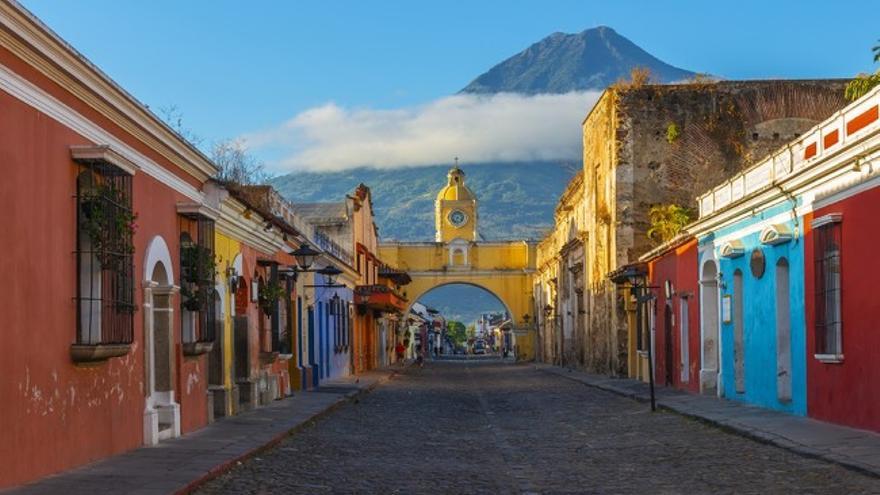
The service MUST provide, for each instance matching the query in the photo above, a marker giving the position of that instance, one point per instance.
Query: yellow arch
(504, 269)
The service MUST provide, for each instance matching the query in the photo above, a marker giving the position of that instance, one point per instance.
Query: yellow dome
(455, 189)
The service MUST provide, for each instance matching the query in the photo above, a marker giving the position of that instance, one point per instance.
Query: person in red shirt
(399, 350)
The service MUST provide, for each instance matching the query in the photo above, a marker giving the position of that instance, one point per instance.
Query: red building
(96, 198)
(674, 313)
(841, 272)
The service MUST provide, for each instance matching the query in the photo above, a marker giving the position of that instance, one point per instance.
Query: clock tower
(455, 210)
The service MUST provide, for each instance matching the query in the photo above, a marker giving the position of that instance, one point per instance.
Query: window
(105, 271)
(197, 274)
(828, 328)
(685, 341)
(739, 331)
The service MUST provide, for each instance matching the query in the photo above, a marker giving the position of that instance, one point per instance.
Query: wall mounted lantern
(255, 290)
(232, 278)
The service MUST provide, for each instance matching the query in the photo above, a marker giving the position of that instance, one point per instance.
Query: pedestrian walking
(399, 350)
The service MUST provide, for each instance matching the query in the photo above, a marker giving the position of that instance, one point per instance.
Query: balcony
(379, 298)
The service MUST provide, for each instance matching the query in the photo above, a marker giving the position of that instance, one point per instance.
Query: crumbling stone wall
(634, 160)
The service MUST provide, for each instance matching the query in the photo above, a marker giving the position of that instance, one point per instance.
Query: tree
(173, 116)
(863, 83)
(457, 332)
(667, 221)
(236, 165)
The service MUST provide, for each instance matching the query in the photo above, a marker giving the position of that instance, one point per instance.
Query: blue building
(759, 281)
(751, 235)
(325, 336)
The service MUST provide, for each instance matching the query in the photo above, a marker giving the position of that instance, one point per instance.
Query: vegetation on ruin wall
(667, 221)
(863, 83)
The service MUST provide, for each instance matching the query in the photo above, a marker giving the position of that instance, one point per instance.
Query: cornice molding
(234, 223)
(33, 42)
(31, 95)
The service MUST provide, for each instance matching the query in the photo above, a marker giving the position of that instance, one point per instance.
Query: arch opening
(459, 318)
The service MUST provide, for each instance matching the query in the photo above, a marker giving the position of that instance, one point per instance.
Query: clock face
(457, 218)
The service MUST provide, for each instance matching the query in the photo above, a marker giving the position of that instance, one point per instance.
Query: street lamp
(330, 273)
(305, 256)
(635, 276)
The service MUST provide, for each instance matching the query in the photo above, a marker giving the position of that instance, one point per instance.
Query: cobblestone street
(488, 427)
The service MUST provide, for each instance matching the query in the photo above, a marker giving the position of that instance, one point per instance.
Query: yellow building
(455, 210)
(560, 280)
(504, 268)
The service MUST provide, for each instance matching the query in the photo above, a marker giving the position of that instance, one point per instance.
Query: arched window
(783, 332)
(458, 258)
(739, 369)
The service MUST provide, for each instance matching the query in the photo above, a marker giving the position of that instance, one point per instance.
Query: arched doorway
(162, 412)
(476, 321)
(709, 328)
(783, 332)
(243, 392)
(739, 333)
(216, 374)
(667, 343)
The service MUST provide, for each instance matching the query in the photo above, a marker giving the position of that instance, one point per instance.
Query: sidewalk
(856, 449)
(181, 464)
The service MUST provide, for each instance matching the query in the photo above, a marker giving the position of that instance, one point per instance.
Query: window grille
(199, 300)
(828, 325)
(104, 254)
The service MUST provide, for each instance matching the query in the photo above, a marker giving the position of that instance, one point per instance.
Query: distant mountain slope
(559, 63)
(516, 199)
(461, 302)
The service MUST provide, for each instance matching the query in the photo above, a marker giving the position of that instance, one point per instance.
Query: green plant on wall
(667, 221)
(109, 224)
(270, 293)
(198, 267)
(863, 83)
(672, 132)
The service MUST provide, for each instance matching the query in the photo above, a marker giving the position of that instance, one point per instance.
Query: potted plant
(197, 276)
(270, 293)
(109, 225)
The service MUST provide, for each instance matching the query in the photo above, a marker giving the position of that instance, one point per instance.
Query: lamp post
(635, 277)
(305, 257)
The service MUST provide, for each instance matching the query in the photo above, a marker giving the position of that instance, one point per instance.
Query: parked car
(480, 347)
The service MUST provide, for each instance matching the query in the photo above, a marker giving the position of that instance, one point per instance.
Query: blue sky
(237, 67)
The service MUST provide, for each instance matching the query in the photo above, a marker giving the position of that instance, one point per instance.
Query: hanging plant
(269, 294)
(109, 223)
(198, 268)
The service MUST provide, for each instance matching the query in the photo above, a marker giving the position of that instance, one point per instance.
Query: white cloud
(478, 128)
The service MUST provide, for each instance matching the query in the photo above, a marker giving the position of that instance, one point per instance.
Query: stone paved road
(488, 427)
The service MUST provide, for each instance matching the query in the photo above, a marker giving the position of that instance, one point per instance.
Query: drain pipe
(794, 216)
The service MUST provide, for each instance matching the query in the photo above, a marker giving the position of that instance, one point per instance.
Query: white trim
(25, 91)
(36, 44)
(844, 192)
(102, 153)
(732, 249)
(776, 234)
(753, 228)
(829, 358)
(157, 251)
(826, 219)
(198, 209)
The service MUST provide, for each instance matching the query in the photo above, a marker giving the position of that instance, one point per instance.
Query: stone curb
(761, 436)
(277, 439)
